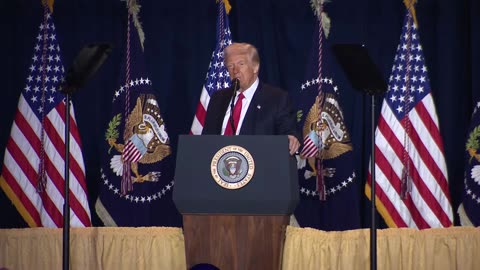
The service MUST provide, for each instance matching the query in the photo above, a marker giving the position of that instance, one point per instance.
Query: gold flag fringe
(228, 7)
(410, 4)
(49, 3)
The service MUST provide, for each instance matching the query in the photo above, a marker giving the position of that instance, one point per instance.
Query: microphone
(236, 84)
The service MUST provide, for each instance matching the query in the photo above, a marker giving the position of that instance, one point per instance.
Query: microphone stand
(373, 227)
(90, 58)
(66, 204)
(364, 76)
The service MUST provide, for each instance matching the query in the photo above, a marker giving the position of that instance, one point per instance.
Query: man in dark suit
(260, 109)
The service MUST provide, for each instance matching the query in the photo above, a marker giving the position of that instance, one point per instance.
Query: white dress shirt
(246, 102)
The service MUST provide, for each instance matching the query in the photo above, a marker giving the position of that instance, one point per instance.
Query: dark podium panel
(235, 228)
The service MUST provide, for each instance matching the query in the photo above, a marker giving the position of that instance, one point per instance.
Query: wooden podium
(230, 227)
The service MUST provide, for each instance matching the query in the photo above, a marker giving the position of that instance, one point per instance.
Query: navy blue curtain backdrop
(180, 37)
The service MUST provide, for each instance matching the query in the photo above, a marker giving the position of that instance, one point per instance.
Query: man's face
(240, 67)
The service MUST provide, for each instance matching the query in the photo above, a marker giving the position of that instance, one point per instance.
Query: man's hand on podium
(293, 144)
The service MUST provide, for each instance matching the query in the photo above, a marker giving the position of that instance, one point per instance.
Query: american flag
(411, 173)
(217, 75)
(36, 145)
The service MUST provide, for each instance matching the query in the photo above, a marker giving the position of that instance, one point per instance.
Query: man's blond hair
(243, 48)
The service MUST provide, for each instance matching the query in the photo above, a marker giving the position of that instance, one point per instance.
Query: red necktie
(237, 109)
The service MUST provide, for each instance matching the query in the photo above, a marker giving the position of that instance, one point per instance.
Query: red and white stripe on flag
(21, 168)
(131, 153)
(407, 139)
(199, 118)
(310, 149)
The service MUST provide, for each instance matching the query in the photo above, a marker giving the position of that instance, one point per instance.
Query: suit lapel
(225, 101)
(248, 125)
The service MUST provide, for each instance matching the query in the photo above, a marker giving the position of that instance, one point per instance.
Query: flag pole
(66, 204)
(364, 76)
(373, 226)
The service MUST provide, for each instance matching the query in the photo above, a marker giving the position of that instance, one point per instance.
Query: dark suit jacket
(270, 113)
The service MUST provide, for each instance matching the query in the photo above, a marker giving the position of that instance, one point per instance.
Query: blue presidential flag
(329, 188)
(469, 210)
(137, 172)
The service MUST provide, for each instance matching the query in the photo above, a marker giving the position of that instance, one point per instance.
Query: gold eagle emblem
(146, 135)
(326, 121)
